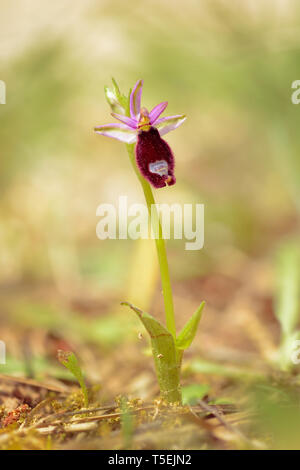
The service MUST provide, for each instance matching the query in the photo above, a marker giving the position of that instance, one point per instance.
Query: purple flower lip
(128, 128)
(154, 157)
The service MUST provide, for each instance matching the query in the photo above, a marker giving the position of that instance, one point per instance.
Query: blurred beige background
(228, 65)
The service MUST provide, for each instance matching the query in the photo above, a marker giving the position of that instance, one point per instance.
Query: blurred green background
(228, 65)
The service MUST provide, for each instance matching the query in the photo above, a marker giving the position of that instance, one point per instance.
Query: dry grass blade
(32, 383)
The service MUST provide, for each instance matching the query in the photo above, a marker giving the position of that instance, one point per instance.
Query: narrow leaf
(288, 288)
(69, 360)
(188, 332)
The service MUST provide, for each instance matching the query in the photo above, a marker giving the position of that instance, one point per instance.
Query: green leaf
(288, 288)
(69, 360)
(188, 332)
(164, 353)
(192, 393)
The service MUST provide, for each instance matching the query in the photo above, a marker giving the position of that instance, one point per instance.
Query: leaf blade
(188, 332)
(287, 309)
(164, 355)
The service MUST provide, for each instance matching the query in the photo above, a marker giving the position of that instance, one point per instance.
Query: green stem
(160, 247)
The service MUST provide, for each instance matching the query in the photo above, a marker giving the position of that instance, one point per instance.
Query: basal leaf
(164, 354)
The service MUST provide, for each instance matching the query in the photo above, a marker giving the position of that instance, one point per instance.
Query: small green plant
(153, 162)
(70, 361)
(127, 423)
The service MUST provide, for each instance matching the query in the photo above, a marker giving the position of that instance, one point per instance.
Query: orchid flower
(154, 157)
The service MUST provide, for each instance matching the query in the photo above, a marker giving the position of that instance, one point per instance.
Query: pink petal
(117, 131)
(169, 123)
(135, 99)
(127, 120)
(156, 111)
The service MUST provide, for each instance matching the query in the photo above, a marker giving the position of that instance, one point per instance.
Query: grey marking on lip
(160, 167)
